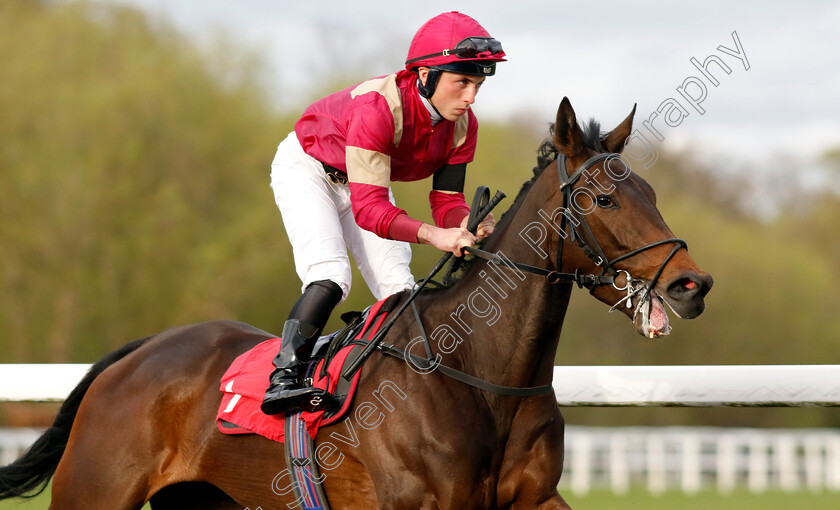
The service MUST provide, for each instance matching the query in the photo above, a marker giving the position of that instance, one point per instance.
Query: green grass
(637, 498)
(739, 500)
(41, 502)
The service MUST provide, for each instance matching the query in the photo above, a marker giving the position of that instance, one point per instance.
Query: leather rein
(579, 231)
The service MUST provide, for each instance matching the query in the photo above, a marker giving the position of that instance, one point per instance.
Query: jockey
(331, 180)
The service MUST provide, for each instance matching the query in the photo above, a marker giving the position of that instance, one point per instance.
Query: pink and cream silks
(374, 133)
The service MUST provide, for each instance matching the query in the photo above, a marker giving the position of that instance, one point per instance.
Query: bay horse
(140, 427)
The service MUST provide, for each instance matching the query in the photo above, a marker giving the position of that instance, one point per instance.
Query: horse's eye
(605, 201)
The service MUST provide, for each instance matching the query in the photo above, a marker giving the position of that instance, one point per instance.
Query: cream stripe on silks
(461, 127)
(368, 167)
(234, 400)
(387, 88)
(232, 403)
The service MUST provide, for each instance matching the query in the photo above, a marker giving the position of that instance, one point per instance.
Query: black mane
(547, 152)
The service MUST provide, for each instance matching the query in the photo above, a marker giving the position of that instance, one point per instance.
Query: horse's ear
(568, 136)
(614, 142)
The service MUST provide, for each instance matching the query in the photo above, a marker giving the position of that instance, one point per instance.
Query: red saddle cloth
(244, 384)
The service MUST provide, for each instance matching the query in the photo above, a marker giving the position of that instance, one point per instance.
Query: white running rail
(694, 459)
(682, 385)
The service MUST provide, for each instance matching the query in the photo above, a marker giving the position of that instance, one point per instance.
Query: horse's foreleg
(533, 460)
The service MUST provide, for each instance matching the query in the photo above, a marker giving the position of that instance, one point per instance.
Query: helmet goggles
(470, 48)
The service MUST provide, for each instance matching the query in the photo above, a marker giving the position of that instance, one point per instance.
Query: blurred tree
(135, 172)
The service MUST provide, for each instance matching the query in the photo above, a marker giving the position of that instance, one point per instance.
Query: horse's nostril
(689, 286)
(683, 288)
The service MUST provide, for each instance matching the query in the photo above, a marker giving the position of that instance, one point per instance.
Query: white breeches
(319, 221)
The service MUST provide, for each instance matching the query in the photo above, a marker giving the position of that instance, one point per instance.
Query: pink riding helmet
(453, 42)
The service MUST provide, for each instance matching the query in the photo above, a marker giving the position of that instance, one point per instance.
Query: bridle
(580, 232)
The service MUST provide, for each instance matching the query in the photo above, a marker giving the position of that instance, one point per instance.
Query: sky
(777, 110)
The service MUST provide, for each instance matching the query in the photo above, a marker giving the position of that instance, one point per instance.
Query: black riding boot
(287, 392)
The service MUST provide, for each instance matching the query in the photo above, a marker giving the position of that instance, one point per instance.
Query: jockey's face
(454, 92)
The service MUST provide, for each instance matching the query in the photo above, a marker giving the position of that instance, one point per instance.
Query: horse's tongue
(658, 318)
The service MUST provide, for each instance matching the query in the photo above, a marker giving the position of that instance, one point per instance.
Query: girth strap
(302, 466)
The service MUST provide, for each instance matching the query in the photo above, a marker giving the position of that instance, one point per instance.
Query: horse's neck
(510, 320)
(515, 330)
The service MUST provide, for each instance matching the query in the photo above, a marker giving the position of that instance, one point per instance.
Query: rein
(476, 216)
(482, 206)
(552, 277)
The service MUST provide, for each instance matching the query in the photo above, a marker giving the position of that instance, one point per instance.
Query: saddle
(244, 383)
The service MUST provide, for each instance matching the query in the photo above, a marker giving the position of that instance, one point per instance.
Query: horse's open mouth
(651, 319)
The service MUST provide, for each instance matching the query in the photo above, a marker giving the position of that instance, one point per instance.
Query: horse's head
(617, 229)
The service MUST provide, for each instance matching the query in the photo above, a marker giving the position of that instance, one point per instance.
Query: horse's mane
(546, 154)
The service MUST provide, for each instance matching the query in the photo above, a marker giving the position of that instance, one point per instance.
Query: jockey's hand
(485, 228)
(446, 239)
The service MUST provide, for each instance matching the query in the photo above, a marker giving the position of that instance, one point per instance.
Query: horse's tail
(29, 475)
